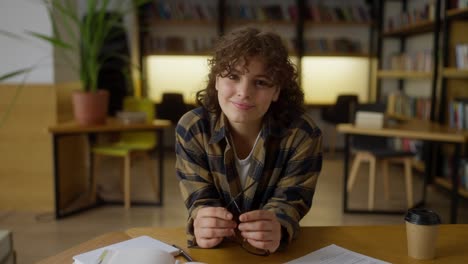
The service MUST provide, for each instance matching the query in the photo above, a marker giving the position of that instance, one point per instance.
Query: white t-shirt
(243, 165)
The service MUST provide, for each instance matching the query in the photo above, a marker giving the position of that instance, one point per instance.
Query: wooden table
(420, 130)
(386, 243)
(112, 125)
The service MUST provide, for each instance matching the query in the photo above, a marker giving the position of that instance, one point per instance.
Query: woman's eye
(233, 77)
(263, 83)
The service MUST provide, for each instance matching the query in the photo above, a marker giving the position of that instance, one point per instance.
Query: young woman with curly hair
(248, 158)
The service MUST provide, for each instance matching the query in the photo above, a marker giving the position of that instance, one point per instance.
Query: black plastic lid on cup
(421, 216)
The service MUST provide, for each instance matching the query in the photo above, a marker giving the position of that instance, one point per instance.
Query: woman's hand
(211, 225)
(261, 229)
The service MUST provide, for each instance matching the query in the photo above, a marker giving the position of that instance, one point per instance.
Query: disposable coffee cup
(422, 227)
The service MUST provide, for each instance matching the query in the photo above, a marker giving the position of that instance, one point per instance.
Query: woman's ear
(216, 83)
(276, 94)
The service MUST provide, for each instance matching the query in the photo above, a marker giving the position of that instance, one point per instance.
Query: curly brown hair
(242, 44)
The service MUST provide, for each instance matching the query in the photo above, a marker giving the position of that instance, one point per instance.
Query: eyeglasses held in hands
(183, 253)
(237, 211)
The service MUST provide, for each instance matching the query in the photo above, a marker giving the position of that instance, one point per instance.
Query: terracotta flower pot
(90, 108)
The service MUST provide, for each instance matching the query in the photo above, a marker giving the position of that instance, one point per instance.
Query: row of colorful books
(416, 15)
(462, 171)
(181, 10)
(329, 13)
(458, 3)
(180, 44)
(458, 113)
(412, 107)
(461, 55)
(345, 45)
(274, 12)
(415, 61)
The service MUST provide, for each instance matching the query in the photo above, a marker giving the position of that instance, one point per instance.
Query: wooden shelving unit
(337, 24)
(337, 54)
(457, 13)
(392, 74)
(416, 28)
(454, 81)
(455, 73)
(448, 185)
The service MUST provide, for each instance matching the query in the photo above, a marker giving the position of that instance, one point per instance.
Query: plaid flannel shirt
(286, 165)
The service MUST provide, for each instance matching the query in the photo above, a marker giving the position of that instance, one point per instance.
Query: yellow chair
(130, 145)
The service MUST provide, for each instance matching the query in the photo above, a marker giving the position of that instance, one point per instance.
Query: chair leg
(333, 142)
(126, 182)
(354, 170)
(386, 182)
(151, 173)
(409, 182)
(96, 160)
(371, 183)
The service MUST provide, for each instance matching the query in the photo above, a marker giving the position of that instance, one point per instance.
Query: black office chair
(372, 149)
(172, 107)
(341, 112)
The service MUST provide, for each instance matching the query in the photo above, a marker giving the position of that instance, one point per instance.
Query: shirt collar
(220, 128)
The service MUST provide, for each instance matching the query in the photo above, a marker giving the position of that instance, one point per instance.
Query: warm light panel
(324, 78)
(180, 74)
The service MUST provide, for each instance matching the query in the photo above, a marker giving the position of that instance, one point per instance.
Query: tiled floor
(37, 235)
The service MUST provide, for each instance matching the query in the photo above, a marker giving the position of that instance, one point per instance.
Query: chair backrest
(140, 105)
(342, 111)
(172, 107)
(370, 142)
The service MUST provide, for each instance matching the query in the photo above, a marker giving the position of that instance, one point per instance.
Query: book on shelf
(181, 10)
(447, 169)
(458, 3)
(344, 45)
(400, 104)
(416, 15)
(334, 13)
(420, 61)
(273, 12)
(461, 55)
(458, 113)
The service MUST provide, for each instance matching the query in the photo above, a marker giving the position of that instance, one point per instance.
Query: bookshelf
(453, 109)
(405, 65)
(350, 22)
(407, 72)
(340, 29)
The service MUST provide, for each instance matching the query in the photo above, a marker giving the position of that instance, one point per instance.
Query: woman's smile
(243, 106)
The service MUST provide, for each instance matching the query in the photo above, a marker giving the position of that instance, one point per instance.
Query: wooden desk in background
(420, 130)
(71, 128)
(386, 243)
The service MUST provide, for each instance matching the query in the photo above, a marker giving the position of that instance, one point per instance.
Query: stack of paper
(369, 119)
(334, 254)
(135, 245)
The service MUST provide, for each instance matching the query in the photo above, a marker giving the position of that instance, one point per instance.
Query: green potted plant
(86, 37)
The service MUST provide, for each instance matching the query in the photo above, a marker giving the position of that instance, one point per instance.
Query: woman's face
(246, 93)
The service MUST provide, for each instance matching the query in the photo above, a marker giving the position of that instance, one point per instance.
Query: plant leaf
(53, 40)
(14, 73)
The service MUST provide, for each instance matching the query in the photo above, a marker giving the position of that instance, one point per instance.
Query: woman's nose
(243, 89)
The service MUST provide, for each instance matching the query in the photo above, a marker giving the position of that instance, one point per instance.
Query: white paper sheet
(90, 257)
(334, 254)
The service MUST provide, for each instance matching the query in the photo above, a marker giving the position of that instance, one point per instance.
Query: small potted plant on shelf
(86, 36)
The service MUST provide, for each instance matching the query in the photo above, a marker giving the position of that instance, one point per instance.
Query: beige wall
(26, 167)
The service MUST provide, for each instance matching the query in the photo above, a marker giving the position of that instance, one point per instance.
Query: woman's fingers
(217, 212)
(208, 242)
(211, 225)
(261, 229)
